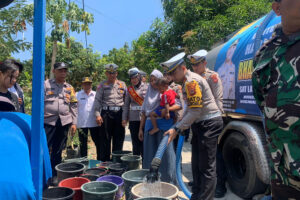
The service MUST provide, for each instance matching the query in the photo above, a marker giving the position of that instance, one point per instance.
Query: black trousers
(56, 139)
(204, 148)
(221, 170)
(137, 145)
(83, 137)
(111, 129)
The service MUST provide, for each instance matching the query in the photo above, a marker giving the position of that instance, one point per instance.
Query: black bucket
(58, 193)
(82, 160)
(98, 171)
(117, 169)
(90, 177)
(116, 155)
(68, 170)
(132, 161)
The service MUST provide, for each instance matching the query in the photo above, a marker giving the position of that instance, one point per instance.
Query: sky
(115, 22)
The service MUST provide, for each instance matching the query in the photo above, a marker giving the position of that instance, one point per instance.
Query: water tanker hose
(178, 168)
(153, 174)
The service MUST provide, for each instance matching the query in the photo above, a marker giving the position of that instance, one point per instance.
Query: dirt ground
(186, 163)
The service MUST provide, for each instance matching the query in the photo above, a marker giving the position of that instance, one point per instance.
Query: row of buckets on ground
(83, 179)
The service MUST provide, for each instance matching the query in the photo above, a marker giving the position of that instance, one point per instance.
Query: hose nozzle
(153, 176)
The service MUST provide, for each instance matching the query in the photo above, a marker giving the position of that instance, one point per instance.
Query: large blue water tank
(15, 168)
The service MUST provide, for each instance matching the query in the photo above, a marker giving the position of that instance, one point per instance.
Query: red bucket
(74, 183)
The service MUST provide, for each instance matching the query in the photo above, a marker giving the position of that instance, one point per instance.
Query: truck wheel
(238, 158)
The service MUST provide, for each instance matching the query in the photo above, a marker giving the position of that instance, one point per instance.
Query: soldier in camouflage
(276, 88)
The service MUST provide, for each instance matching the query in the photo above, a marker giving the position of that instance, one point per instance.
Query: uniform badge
(50, 92)
(193, 60)
(214, 77)
(192, 88)
(194, 94)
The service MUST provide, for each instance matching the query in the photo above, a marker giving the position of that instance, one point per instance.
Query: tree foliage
(13, 21)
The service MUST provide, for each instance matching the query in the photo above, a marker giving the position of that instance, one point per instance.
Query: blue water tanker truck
(243, 140)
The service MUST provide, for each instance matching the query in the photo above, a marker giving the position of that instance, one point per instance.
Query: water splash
(151, 189)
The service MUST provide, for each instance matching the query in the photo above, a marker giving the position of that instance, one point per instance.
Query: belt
(209, 116)
(112, 108)
(136, 108)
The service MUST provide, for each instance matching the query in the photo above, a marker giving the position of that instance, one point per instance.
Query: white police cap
(198, 56)
(173, 63)
(111, 67)
(133, 72)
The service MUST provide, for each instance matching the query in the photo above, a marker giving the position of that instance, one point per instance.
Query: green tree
(201, 23)
(82, 62)
(64, 18)
(123, 58)
(14, 21)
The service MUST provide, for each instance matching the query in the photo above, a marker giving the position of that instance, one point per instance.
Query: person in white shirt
(86, 119)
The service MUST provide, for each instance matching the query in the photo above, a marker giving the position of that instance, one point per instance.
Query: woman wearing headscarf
(151, 142)
(132, 107)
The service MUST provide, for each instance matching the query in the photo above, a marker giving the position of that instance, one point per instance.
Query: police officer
(199, 65)
(198, 61)
(131, 110)
(276, 90)
(110, 97)
(60, 112)
(144, 76)
(86, 119)
(205, 117)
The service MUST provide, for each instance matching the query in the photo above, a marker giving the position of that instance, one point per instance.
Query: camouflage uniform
(276, 88)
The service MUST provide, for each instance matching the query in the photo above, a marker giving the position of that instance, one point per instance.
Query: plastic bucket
(74, 183)
(82, 160)
(117, 169)
(132, 178)
(99, 190)
(167, 190)
(116, 180)
(68, 170)
(132, 161)
(94, 163)
(116, 155)
(58, 193)
(105, 164)
(90, 177)
(99, 171)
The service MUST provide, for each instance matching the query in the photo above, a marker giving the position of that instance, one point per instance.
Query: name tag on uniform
(194, 94)
(82, 98)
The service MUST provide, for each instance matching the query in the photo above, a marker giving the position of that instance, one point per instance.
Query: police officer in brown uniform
(133, 105)
(110, 97)
(204, 115)
(60, 112)
(199, 65)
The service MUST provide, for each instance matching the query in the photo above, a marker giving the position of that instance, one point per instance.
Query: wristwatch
(176, 129)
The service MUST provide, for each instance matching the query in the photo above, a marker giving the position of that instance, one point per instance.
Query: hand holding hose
(172, 134)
